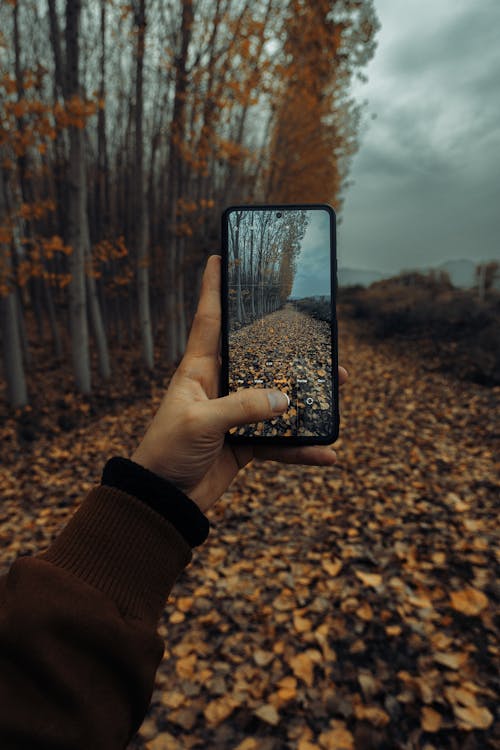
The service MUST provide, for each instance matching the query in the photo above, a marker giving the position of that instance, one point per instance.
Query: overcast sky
(312, 277)
(427, 175)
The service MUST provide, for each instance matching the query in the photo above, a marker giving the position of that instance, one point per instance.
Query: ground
(343, 607)
(289, 350)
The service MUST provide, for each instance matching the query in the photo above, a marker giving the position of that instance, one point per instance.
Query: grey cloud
(427, 177)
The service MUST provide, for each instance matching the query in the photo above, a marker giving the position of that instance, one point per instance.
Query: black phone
(279, 323)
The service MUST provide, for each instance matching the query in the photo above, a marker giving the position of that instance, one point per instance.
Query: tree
(141, 216)
(77, 213)
(9, 318)
(127, 127)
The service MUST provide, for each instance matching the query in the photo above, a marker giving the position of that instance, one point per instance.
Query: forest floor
(331, 608)
(289, 350)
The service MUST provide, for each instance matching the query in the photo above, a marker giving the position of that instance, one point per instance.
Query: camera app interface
(280, 315)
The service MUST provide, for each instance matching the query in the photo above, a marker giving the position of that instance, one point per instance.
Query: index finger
(205, 332)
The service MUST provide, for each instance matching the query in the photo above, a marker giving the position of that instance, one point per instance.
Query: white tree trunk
(77, 212)
(143, 298)
(142, 238)
(98, 326)
(77, 218)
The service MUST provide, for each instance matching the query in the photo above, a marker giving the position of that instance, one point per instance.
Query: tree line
(263, 253)
(125, 129)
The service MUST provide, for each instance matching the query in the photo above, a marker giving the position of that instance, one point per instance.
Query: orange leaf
(369, 579)
(337, 738)
(185, 667)
(472, 717)
(268, 714)
(302, 667)
(451, 660)
(430, 720)
(332, 567)
(365, 612)
(219, 709)
(469, 601)
(375, 715)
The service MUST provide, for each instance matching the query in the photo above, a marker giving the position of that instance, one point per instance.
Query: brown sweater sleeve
(78, 643)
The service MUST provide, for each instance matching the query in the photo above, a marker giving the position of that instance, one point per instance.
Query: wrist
(145, 459)
(160, 494)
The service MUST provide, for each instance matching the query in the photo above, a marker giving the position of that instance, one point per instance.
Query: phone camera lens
(279, 215)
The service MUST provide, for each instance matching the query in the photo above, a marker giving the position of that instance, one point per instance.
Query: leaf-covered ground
(331, 608)
(290, 350)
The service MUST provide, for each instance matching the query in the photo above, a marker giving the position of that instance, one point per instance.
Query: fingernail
(278, 401)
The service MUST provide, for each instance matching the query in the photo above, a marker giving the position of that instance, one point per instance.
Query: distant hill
(462, 273)
(355, 276)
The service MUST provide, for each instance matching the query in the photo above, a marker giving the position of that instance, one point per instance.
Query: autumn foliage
(125, 131)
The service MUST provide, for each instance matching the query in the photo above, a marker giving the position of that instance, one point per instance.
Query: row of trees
(125, 128)
(263, 252)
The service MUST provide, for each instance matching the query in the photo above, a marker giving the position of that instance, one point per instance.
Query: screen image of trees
(277, 340)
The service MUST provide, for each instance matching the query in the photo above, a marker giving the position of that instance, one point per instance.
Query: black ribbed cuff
(160, 495)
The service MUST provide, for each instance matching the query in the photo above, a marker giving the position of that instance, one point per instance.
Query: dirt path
(344, 607)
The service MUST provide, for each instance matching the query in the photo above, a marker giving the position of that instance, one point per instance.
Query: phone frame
(224, 372)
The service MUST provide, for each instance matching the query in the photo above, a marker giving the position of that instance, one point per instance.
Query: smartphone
(279, 324)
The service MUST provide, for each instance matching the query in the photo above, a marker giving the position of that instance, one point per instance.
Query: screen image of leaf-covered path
(278, 336)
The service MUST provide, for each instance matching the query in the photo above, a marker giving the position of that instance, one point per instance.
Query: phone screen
(279, 279)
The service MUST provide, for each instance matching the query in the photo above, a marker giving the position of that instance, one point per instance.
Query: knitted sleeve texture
(78, 643)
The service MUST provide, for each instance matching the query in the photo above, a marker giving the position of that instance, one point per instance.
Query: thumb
(246, 406)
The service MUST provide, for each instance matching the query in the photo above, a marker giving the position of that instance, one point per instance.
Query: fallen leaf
(177, 617)
(249, 743)
(173, 698)
(369, 579)
(453, 660)
(332, 567)
(263, 658)
(184, 603)
(302, 624)
(185, 666)
(430, 720)
(469, 601)
(337, 738)
(164, 741)
(472, 717)
(375, 715)
(365, 612)
(268, 714)
(393, 630)
(306, 745)
(459, 695)
(302, 667)
(219, 709)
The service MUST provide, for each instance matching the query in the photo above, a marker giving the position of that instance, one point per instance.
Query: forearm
(78, 642)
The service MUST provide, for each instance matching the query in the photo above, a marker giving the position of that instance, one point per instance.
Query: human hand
(185, 441)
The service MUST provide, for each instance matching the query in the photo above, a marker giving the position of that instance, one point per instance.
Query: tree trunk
(142, 221)
(97, 325)
(17, 394)
(28, 359)
(49, 303)
(175, 297)
(77, 214)
(102, 181)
